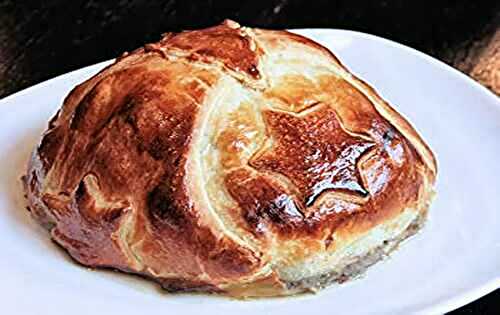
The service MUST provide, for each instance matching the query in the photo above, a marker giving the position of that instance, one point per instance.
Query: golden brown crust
(221, 159)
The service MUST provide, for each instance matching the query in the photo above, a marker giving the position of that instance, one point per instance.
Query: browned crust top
(110, 175)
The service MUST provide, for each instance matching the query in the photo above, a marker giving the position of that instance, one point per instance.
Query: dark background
(42, 39)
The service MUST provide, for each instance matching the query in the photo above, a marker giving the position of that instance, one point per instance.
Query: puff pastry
(233, 160)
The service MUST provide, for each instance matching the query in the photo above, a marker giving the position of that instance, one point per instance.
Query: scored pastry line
(218, 93)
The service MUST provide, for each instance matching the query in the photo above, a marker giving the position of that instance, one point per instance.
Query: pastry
(230, 160)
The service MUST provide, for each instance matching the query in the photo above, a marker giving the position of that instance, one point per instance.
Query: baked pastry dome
(241, 161)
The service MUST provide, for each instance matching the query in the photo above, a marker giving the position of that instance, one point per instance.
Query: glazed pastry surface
(240, 161)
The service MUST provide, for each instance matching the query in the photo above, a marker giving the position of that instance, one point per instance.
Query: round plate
(452, 261)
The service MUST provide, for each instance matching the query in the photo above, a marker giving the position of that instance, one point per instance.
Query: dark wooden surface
(42, 39)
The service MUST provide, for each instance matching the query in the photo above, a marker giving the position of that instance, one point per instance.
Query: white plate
(454, 260)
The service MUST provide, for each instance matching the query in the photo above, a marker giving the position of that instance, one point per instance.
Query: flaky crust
(233, 160)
